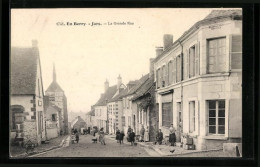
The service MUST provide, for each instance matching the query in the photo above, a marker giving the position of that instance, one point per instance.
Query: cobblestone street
(85, 148)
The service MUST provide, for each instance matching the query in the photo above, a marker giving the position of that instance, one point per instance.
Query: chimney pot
(167, 41)
(158, 51)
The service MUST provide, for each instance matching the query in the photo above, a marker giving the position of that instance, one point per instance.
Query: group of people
(120, 136)
(144, 134)
(101, 137)
(76, 133)
(172, 136)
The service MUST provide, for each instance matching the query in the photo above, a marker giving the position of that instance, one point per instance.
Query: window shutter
(166, 75)
(197, 55)
(187, 64)
(236, 51)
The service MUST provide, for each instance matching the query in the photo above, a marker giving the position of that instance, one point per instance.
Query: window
(170, 72)
(174, 70)
(123, 121)
(191, 116)
(129, 121)
(163, 76)
(178, 68)
(216, 111)
(166, 78)
(141, 117)
(167, 114)
(236, 52)
(192, 61)
(216, 55)
(54, 117)
(158, 78)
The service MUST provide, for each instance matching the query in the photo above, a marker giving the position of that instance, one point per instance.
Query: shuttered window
(178, 68)
(166, 75)
(157, 78)
(236, 52)
(192, 61)
(163, 76)
(197, 59)
(191, 116)
(174, 70)
(216, 55)
(186, 64)
(167, 114)
(170, 72)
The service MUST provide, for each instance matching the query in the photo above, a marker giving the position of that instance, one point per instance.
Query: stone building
(58, 98)
(115, 108)
(27, 117)
(130, 108)
(198, 81)
(78, 123)
(101, 110)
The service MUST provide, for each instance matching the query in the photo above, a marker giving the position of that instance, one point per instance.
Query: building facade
(58, 98)
(198, 81)
(27, 117)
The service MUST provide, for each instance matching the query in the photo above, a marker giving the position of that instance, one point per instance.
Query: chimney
(106, 85)
(167, 41)
(119, 81)
(151, 67)
(158, 50)
(34, 43)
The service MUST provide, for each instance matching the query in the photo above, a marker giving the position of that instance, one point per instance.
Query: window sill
(215, 137)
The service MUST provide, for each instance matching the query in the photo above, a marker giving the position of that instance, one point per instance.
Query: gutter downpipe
(181, 85)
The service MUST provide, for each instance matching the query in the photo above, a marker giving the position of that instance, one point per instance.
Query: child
(121, 137)
(94, 139)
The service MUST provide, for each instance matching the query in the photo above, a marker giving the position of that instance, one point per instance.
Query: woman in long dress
(146, 134)
(102, 136)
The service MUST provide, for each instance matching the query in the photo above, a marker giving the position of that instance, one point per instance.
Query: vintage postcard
(126, 82)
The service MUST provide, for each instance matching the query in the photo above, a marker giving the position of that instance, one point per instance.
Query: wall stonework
(30, 132)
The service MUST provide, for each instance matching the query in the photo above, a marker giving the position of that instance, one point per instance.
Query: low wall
(30, 131)
(52, 133)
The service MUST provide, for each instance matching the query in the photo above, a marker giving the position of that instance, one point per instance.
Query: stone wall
(30, 131)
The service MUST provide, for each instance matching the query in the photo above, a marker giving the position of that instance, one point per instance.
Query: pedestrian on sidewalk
(132, 137)
(146, 134)
(142, 131)
(121, 137)
(102, 136)
(172, 138)
(117, 135)
(159, 137)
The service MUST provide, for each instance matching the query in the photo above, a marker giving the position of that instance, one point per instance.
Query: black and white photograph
(125, 82)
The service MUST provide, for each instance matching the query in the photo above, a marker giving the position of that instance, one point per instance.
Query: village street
(85, 148)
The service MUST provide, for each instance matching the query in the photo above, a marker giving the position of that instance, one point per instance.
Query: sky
(85, 56)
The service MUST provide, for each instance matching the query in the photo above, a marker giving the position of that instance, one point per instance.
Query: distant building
(58, 98)
(130, 117)
(198, 81)
(53, 121)
(27, 118)
(78, 123)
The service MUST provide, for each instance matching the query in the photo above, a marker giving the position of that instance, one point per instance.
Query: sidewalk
(20, 152)
(164, 150)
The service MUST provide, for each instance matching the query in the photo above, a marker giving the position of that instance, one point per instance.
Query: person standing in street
(121, 137)
(146, 134)
(102, 136)
(117, 135)
(142, 131)
(132, 137)
(77, 136)
(128, 133)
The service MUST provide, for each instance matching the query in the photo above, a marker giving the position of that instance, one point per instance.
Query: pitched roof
(54, 87)
(119, 95)
(213, 16)
(138, 85)
(148, 84)
(110, 92)
(77, 119)
(23, 70)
